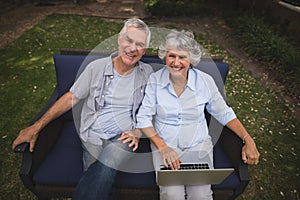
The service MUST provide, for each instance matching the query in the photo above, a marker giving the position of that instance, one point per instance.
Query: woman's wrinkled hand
(250, 154)
(170, 157)
(131, 137)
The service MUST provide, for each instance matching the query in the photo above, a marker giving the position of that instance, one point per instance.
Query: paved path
(15, 20)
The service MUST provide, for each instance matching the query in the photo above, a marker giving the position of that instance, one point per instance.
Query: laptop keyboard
(189, 166)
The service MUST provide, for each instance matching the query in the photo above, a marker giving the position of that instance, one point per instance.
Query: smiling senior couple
(121, 96)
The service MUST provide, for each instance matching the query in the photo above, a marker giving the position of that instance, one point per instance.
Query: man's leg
(96, 182)
(115, 154)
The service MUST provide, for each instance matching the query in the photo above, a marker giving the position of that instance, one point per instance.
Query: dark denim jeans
(97, 181)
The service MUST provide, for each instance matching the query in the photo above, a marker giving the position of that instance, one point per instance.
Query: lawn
(27, 79)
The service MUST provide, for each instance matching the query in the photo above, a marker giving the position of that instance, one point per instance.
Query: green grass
(270, 121)
(263, 41)
(27, 79)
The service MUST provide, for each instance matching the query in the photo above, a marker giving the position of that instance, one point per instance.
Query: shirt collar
(165, 79)
(109, 70)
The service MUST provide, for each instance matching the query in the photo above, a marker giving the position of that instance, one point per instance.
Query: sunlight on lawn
(27, 79)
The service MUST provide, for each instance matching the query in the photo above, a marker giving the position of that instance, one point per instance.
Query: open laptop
(192, 174)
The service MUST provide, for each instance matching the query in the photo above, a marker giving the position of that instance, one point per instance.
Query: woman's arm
(169, 157)
(250, 154)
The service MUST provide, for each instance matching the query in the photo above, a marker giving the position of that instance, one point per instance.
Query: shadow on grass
(27, 79)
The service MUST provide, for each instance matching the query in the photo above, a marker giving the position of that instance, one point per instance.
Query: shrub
(261, 41)
(174, 8)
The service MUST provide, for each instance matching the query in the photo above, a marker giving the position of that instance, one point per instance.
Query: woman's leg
(201, 153)
(199, 192)
(172, 192)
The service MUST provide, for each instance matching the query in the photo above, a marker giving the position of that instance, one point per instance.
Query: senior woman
(176, 96)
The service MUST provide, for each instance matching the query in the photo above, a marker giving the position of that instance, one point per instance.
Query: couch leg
(222, 194)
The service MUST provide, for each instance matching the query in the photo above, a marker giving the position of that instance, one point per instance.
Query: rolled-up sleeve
(217, 106)
(81, 86)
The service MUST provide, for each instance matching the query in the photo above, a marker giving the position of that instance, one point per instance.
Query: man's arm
(250, 154)
(30, 134)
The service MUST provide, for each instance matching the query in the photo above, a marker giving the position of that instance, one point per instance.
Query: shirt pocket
(90, 102)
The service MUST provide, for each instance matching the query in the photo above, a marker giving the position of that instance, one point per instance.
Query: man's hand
(29, 134)
(131, 137)
(250, 154)
(170, 157)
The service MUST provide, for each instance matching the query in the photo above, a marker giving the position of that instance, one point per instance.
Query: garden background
(262, 87)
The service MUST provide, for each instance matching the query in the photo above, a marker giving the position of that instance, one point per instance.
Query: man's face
(132, 46)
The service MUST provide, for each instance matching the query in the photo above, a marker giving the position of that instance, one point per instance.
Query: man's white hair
(139, 24)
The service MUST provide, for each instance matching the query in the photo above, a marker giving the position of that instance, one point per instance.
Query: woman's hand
(250, 154)
(170, 158)
(131, 137)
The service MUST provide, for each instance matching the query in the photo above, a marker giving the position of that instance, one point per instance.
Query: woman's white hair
(139, 24)
(183, 41)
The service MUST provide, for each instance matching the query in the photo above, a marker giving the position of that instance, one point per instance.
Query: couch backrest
(67, 67)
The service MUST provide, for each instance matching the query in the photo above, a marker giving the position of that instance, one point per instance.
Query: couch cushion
(142, 162)
(63, 165)
(66, 68)
(145, 180)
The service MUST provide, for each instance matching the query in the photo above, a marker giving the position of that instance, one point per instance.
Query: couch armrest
(24, 147)
(31, 161)
(46, 140)
(232, 146)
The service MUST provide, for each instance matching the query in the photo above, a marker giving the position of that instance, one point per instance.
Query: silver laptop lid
(191, 174)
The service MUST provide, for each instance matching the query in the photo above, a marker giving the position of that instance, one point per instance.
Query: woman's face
(178, 62)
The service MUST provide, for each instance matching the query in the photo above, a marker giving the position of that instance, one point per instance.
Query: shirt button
(179, 115)
(103, 96)
(111, 77)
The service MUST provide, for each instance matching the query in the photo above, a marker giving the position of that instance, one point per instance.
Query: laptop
(192, 174)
